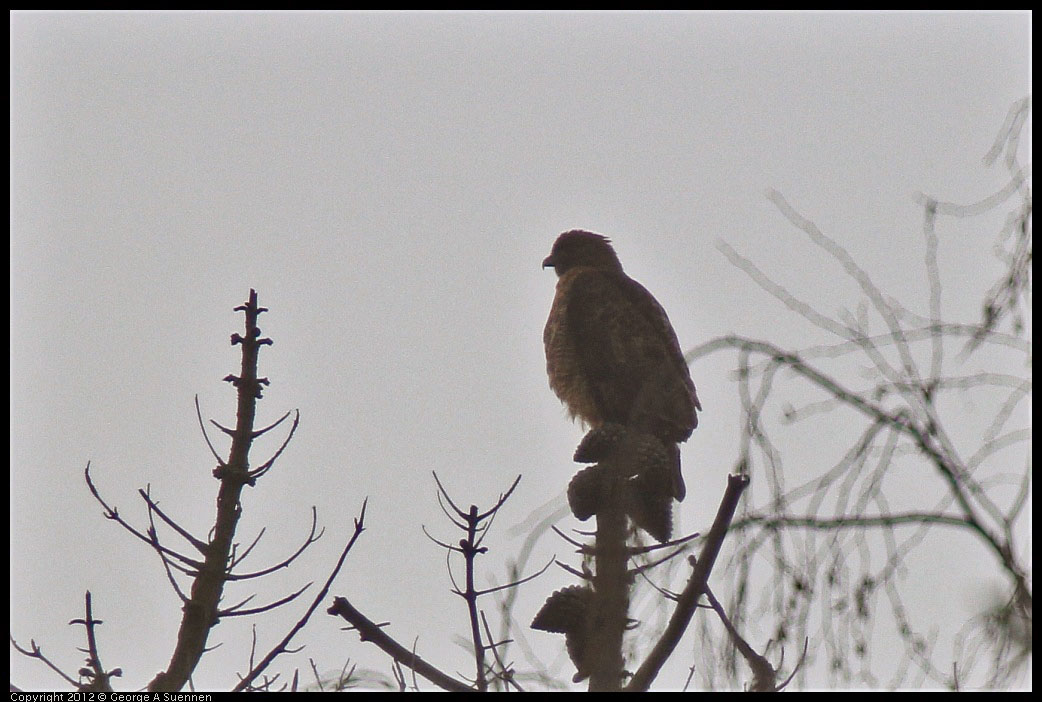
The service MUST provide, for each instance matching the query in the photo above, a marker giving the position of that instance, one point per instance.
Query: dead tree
(490, 667)
(200, 570)
(836, 543)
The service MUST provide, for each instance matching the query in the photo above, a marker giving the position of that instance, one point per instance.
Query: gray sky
(390, 183)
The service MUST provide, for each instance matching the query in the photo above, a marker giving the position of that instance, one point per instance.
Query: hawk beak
(548, 262)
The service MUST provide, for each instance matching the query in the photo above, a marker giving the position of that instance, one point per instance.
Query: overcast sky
(390, 183)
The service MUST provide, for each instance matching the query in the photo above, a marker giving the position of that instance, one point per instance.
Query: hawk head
(578, 248)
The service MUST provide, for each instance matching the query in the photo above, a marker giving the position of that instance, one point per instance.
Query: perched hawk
(611, 354)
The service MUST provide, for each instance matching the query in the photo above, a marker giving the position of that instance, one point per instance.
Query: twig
(35, 651)
(369, 631)
(98, 678)
(281, 646)
(688, 599)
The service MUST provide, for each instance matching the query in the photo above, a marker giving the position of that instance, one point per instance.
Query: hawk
(611, 354)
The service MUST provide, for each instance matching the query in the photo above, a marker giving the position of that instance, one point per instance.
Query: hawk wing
(627, 352)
